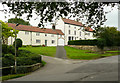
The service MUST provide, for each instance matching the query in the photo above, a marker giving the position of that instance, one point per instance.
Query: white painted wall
(26, 38)
(65, 29)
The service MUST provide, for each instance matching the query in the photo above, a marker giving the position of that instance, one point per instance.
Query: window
(80, 33)
(26, 33)
(69, 31)
(75, 32)
(72, 38)
(52, 35)
(37, 41)
(80, 38)
(45, 34)
(69, 38)
(75, 38)
(75, 27)
(37, 34)
(69, 26)
(53, 41)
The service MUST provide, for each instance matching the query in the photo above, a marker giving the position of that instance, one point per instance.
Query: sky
(112, 17)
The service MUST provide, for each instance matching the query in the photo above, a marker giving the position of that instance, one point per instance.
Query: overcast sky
(112, 17)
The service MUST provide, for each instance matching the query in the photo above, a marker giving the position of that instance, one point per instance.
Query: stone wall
(94, 48)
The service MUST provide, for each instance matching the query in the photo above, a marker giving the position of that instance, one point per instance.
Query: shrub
(4, 48)
(18, 43)
(101, 43)
(8, 60)
(83, 42)
(43, 45)
(11, 49)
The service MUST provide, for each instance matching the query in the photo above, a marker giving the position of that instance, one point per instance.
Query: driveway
(56, 69)
(60, 52)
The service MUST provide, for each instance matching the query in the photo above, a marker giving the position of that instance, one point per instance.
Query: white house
(63, 31)
(73, 30)
(37, 36)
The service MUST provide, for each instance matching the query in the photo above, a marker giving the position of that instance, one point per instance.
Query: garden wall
(94, 48)
(20, 69)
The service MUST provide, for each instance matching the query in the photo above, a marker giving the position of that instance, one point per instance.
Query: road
(104, 69)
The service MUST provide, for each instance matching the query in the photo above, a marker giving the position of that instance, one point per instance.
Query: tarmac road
(57, 69)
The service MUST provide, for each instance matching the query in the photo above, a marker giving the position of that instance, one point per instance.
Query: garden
(26, 61)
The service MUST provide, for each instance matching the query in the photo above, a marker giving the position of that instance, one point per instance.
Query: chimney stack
(53, 26)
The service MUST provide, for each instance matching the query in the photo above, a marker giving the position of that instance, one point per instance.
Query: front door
(45, 42)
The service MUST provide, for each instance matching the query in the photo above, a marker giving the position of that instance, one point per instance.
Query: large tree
(7, 32)
(110, 34)
(18, 20)
(93, 12)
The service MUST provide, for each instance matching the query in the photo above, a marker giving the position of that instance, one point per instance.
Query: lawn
(74, 53)
(48, 51)
(7, 77)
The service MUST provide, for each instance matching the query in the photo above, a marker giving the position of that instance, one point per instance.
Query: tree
(101, 44)
(110, 34)
(7, 32)
(18, 43)
(18, 20)
(92, 11)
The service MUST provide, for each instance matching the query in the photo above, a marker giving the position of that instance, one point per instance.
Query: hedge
(83, 42)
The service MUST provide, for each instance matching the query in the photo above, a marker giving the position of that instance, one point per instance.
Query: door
(45, 42)
(60, 42)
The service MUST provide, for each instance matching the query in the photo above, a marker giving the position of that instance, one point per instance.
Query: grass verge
(7, 77)
(74, 53)
(48, 51)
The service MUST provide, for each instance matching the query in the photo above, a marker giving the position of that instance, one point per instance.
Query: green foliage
(6, 32)
(83, 42)
(18, 43)
(48, 10)
(110, 35)
(18, 20)
(11, 49)
(101, 43)
(8, 60)
(4, 48)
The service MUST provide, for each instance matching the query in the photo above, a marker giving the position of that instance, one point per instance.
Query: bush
(8, 60)
(4, 49)
(83, 42)
(18, 43)
(101, 43)
(11, 50)
(28, 60)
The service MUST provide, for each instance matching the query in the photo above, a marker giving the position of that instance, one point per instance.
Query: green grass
(74, 53)
(114, 51)
(7, 77)
(48, 51)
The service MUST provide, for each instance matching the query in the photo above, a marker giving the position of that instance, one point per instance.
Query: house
(73, 30)
(37, 36)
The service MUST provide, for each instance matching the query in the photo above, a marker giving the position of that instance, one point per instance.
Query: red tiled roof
(89, 29)
(35, 29)
(76, 23)
(72, 22)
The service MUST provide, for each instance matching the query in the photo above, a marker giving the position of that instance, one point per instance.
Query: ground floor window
(53, 41)
(69, 38)
(37, 41)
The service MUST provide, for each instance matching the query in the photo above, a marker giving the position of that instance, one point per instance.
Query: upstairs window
(52, 35)
(37, 34)
(69, 31)
(75, 32)
(45, 34)
(26, 33)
